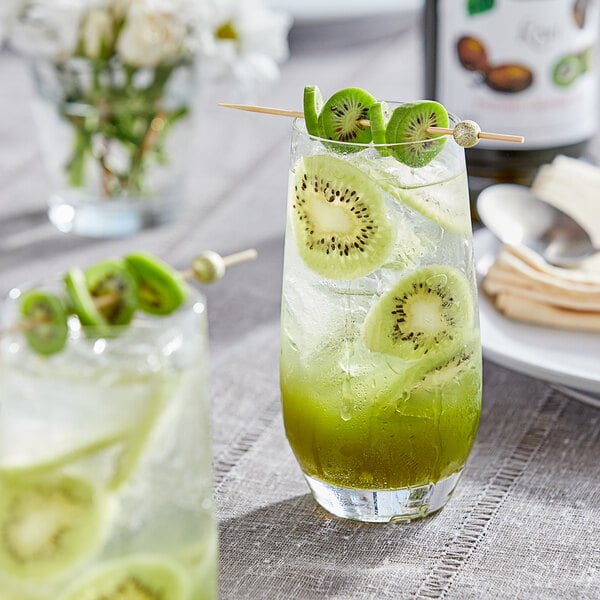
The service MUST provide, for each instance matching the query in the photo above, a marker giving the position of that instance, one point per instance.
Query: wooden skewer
(519, 139)
(110, 299)
(484, 135)
(282, 112)
(240, 257)
(228, 261)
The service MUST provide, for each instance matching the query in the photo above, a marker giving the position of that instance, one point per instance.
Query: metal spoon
(516, 216)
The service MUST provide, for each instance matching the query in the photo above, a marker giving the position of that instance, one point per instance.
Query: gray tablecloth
(523, 522)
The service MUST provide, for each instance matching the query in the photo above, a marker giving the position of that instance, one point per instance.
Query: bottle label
(523, 67)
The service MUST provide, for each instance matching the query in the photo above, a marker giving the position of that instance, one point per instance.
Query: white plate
(558, 356)
(313, 11)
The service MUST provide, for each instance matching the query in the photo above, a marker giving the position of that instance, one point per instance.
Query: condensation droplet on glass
(402, 400)
(347, 400)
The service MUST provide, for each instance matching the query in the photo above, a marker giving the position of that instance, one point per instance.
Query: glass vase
(114, 142)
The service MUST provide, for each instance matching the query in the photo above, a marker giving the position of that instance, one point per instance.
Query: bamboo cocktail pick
(207, 267)
(466, 133)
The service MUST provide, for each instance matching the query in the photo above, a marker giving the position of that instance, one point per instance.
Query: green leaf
(76, 166)
(479, 6)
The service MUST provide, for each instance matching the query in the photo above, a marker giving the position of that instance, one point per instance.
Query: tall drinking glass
(380, 347)
(105, 462)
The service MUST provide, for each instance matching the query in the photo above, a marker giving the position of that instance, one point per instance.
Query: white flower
(120, 7)
(48, 28)
(246, 39)
(240, 40)
(153, 33)
(97, 33)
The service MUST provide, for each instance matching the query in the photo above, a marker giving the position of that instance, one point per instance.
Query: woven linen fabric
(521, 524)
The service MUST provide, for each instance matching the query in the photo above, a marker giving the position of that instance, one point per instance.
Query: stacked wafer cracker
(524, 287)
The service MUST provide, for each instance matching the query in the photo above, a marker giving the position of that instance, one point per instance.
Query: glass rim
(196, 304)
(296, 127)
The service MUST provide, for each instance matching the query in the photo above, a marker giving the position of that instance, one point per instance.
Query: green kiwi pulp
(49, 524)
(343, 115)
(111, 279)
(161, 289)
(47, 331)
(138, 577)
(407, 128)
(377, 116)
(434, 202)
(457, 374)
(103, 296)
(340, 224)
(427, 314)
(313, 103)
(81, 300)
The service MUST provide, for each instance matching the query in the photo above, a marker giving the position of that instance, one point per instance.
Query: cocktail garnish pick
(207, 267)
(210, 266)
(466, 133)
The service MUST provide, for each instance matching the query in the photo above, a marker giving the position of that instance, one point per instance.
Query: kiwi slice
(45, 314)
(161, 289)
(428, 313)
(343, 115)
(111, 279)
(82, 302)
(313, 103)
(340, 224)
(49, 524)
(442, 204)
(378, 114)
(566, 70)
(137, 438)
(586, 59)
(408, 126)
(103, 296)
(457, 373)
(138, 577)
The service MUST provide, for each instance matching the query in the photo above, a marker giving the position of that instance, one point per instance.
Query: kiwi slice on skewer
(340, 224)
(161, 289)
(378, 115)
(82, 302)
(428, 313)
(146, 577)
(313, 103)
(103, 296)
(48, 318)
(342, 115)
(49, 525)
(112, 278)
(409, 123)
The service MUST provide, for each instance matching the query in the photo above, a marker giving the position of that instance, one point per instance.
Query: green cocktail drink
(380, 348)
(105, 451)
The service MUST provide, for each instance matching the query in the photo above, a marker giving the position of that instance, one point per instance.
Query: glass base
(71, 212)
(383, 506)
